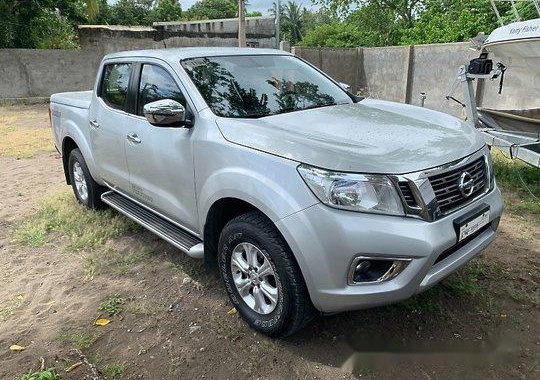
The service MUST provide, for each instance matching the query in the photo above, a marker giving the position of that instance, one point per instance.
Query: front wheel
(261, 276)
(87, 191)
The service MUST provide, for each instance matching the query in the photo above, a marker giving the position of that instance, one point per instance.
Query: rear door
(108, 119)
(160, 159)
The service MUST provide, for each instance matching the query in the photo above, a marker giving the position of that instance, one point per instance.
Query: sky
(254, 5)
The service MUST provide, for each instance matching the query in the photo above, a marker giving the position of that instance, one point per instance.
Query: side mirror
(166, 113)
(345, 86)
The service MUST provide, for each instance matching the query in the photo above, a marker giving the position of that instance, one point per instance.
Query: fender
(74, 132)
(263, 192)
(276, 199)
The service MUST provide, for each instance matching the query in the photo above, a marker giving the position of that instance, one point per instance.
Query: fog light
(370, 270)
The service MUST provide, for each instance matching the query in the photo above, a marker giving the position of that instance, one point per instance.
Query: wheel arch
(70, 142)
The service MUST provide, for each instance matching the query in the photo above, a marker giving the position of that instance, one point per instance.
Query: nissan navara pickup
(307, 198)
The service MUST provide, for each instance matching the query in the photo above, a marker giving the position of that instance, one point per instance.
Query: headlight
(356, 192)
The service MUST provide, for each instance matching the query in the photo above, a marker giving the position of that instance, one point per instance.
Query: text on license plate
(474, 225)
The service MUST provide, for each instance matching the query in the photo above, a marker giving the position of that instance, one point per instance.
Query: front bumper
(325, 241)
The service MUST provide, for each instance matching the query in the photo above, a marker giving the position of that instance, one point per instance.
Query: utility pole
(241, 23)
(278, 20)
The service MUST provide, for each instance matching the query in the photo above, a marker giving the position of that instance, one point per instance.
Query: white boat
(517, 46)
(514, 47)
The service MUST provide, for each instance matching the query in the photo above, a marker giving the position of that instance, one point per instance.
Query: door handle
(134, 138)
(94, 124)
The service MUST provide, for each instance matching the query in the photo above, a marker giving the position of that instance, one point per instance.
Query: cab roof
(177, 54)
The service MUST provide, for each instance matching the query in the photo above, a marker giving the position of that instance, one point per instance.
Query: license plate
(474, 224)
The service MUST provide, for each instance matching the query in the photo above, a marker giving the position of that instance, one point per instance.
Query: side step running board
(168, 231)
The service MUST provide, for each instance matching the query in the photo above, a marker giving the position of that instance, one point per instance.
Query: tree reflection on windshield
(238, 86)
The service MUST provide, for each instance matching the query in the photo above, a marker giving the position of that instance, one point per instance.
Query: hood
(372, 136)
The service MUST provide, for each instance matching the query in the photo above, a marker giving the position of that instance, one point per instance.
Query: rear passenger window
(115, 84)
(157, 84)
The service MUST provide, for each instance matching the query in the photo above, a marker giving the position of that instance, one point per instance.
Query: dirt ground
(173, 319)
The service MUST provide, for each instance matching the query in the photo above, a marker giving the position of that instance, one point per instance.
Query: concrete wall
(260, 32)
(33, 73)
(402, 73)
(393, 73)
(255, 26)
(36, 73)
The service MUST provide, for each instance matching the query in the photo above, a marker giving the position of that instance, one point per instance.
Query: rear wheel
(261, 276)
(87, 191)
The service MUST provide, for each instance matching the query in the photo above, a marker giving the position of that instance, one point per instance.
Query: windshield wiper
(305, 108)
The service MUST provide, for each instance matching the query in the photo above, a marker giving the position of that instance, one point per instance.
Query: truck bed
(69, 115)
(79, 99)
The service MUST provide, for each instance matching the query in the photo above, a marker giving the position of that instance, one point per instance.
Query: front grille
(446, 189)
(407, 193)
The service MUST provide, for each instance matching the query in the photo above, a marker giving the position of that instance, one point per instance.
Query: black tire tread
(302, 310)
(94, 189)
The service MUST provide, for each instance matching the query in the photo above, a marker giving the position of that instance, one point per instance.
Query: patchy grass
(145, 306)
(523, 295)
(472, 281)
(113, 306)
(520, 184)
(45, 374)
(61, 216)
(112, 260)
(24, 132)
(113, 371)
(81, 339)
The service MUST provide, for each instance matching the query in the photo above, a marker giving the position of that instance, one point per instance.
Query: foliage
(132, 12)
(403, 11)
(51, 31)
(292, 21)
(522, 181)
(167, 10)
(526, 11)
(49, 25)
(399, 22)
(212, 9)
(46, 374)
(450, 21)
(336, 34)
(369, 25)
(113, 306)
(114, 371)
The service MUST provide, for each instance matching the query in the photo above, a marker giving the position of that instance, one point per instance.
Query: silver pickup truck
(307, 198)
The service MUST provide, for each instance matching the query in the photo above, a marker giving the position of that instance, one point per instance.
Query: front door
(108, 124)
(160, 159)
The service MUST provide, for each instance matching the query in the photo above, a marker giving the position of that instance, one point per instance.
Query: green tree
(403, 11)
(104, 15)
(52, 31)
(167, 10)
(337, 34)
(378, 26)
(212, 9)
(292, 21)
(450, 21)
(92, 9)
(132, 12)
(526, 11)
(43, 23)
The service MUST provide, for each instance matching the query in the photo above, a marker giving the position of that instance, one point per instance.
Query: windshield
(261, 85)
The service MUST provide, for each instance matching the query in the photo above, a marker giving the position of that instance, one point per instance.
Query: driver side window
(157, 84)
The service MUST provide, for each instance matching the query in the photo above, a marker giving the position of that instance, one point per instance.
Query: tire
(293, 308)
(87, 191)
